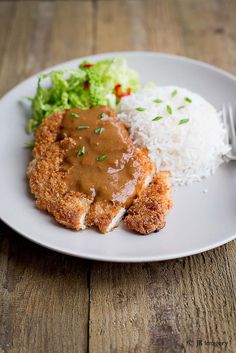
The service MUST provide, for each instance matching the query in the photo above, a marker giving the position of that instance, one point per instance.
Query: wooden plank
(6, 12)
(185, 305)
(176, 27)
(41, 34)
(72, 32)
(209, 29)
(44, 296)
(115, 26)
(175, 306)
(138, 25)
(15, 47)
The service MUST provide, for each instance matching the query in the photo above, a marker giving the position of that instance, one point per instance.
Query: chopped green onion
(81, 152)
(102, 115)
(157, 100)
(140, 109)
(174, 93)
(183, 121)
(187, 99)
(82, 127)
(180, 107)
(74, 115)
(102, 157)
(168, 109)
(29, 144)
(157, 118)
(99, 130)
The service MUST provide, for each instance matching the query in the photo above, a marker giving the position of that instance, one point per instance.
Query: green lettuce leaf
(89, 85)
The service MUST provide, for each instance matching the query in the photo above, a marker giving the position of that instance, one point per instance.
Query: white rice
(191, 150)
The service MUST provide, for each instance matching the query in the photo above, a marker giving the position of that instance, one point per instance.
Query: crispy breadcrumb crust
(101, 214)
(148, 211)
(47, 134)
(46, 175)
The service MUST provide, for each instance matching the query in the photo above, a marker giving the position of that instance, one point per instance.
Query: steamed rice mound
(184, 133)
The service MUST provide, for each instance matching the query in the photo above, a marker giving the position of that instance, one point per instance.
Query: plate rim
(130, 53)
(122, 258)
(125, 259)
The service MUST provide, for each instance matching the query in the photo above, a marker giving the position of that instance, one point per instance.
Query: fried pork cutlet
(86, 171)
(46, 178)
(148, 211)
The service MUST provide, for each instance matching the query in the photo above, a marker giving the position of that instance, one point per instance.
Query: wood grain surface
(52, 303)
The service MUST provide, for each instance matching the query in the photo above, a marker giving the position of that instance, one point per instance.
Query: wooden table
(52, 303)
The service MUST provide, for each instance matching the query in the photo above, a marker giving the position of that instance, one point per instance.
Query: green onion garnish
(183, 121)
(102, 157)
(187, 99)
(74, 115)
(82, 127)
(157, 100)
(174, 93)
(99, 130)
(168, 109)
(102, 115)
(180, 107)
(157, 118)
(81, 152)
(140, 109)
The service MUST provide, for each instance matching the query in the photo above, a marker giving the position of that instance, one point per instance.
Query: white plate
(198, 222)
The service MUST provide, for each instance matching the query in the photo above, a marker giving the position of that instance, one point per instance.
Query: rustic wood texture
(52, 303)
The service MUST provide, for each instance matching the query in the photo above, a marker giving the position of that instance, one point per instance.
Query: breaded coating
(73, 209)
(47, 134)
(148, 211)
(106, 215)
(70, 210)
(46, 177)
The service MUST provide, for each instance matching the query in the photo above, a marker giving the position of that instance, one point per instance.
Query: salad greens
(101, 83)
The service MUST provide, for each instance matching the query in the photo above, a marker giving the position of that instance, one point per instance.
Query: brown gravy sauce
(115, 176)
